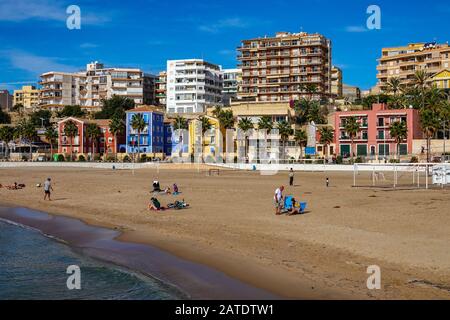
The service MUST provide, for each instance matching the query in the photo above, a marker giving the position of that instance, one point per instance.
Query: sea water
(33, 266)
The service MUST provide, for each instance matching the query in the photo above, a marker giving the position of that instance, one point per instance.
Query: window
(383, 149)
(345, 150)
(361, 150)
(403, 149)
(380, 134)
(381, 122)
(364, 135)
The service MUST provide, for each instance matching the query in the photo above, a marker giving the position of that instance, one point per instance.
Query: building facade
(151, 139)
(441, 80)
(6, 100)
(28, 96)
(161, 89)
(82, 144)
(283, 67)
(232, 79)
(336, 82)
(374, 139)
(193, 85)
(88, 88)
(403, 62)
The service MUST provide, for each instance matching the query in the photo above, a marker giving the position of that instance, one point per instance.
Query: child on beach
(175, 190)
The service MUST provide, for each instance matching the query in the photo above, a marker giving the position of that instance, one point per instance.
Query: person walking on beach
(278, 200)
(47, 189)
(291, 177)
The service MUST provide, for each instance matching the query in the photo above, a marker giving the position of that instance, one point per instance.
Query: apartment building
(403, 62)
(193, 85)
(161, 89)
(6, 100)
(285, 67)
(374, 138)
(442, 80)
(88, 88)
(232, 79)
(336, 82)
(28, 96)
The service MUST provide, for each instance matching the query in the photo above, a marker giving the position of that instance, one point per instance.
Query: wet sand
(232, 228)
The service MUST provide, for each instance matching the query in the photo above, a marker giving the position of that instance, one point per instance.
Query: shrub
(143, 158)
(110, 158)
(414, 160)
(81, 158)
(394, 161)
(60, 158)
(339, 160)
(69, 158)
(97, 157)
(359, 160)
(126, 159)
(308, 157)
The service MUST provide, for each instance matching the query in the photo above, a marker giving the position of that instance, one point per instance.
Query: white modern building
(232, 79)
(88, 88)
(193, 85)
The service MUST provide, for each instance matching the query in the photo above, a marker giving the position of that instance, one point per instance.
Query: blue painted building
(152, 138)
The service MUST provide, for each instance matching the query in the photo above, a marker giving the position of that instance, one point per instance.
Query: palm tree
(399, 131)
(245, 124)
(138, 124)
(71, 131)
(265, 123)
(284, 130)
(301, 138)
(6, 135)
(206, 126)
(117, 127)
(51, 135)
(27, 131)
(180, 124)
(94, 132)
(326, 138)
(217, 111)
(226, 119)
(430, 124)
(352, 128)
(420, 82)
(394, 85)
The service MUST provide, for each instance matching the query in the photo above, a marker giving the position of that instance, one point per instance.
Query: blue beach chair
(288, 205)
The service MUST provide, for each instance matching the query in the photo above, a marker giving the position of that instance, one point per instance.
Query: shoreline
(192, 280)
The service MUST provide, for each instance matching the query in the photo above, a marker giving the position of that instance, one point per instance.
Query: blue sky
(138, 33)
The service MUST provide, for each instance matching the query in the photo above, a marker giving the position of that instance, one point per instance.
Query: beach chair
(288, 205)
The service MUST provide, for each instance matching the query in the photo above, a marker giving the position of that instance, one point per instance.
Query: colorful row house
(373, 138)
(81, 143)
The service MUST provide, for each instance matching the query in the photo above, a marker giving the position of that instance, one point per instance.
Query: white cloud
(33, 64)
(22, 10)
(356, 29)
(235, 23)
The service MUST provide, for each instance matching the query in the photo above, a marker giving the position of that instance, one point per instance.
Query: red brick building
(82, 144)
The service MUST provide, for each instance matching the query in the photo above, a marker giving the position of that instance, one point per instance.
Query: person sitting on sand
(154, 204)
(167, 191)
(13, 186)
(156, 186)
(175, 190)
(294, 209)
(278, 200)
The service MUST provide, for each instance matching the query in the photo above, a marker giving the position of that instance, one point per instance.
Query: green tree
(138, 124)
(117, 105)
(399, 131)
(226, 119)
(71, 131)
(206, 126)
(394, 85)
(5, 118)
(301, 138)
(326, 138)
(19, 108)
(352, 128)
(27, 132)
(430, 122)
(51, 135)
(117, 128)
(6, 135)
(41, 118)
(285, 131)
(93, 132)
(421, 83)
(71, 111)
(245, 124)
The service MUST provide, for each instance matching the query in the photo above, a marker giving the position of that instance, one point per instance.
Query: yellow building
(441, 79)
(212, 142)
(28, 96)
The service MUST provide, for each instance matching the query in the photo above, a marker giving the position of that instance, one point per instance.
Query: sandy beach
(231, 226)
